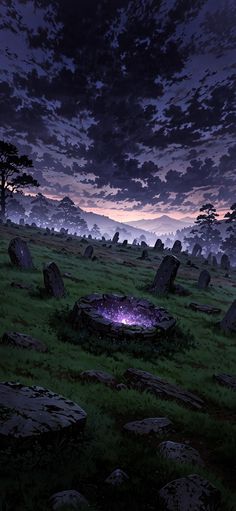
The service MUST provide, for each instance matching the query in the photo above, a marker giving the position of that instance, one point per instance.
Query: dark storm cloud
(134, 100)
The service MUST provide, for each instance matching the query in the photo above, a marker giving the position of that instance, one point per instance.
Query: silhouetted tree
(95, 231)
(40, 211)
(67, 215)
(12, 177)
(209, 236)
(229, 243)
(14, 209)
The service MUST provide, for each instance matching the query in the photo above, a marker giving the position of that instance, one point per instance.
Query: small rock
(23, 341)
(69, 500)
(202, 307)
(180, 453)
(158, 425)
(117, 478)
(98, 377)
(190, 493)
(228, 380)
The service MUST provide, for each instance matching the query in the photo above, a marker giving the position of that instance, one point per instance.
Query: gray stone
(19, 254)
(117, 478)
(115, 238)
(19, 340)
(144, 381)
(190, 493)
(69, 500)
(165, 276)
(144, 244)
(88, 253)
(159, 245)
(177, 247)
(180, 453)
(157, 425)
(204, 279)
(30, 413)
(228, 323)
(225, 262)
(98, 377)
(144, 255)
(125, 243)
(202, 307)
(228, 380)
(53, 281)
(197, 250)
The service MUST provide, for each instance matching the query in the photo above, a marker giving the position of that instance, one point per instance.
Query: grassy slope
(105, 446)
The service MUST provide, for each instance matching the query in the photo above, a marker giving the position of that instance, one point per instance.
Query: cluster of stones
(87, 314)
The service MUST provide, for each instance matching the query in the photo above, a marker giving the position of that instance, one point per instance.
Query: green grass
(28, 480)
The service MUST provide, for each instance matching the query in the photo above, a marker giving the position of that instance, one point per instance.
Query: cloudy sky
(127, 106)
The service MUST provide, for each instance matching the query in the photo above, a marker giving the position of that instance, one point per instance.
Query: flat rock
(228, 380)
(30, 413)
(180, 453)
(144, 381)
(202, 307)
(98, 377)
(19, 340)
(117, 478)
(21, 285)
(69, 500)
(158, 425)
(190, 493)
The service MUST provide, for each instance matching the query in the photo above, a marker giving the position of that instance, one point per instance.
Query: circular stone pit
(120, 316)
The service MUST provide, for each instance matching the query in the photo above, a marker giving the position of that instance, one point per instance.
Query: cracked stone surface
(144, 381)
(28, 413)
(180, 453)
(20, 340)
(158, 425)
(191, 493)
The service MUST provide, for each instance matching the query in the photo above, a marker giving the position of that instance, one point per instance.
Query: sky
(126, 106)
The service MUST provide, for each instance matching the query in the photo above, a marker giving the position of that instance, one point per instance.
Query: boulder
(228, 380)
(228, 323)
(19, 254)
(70, 500)
(88, 253)
(157, 425)
(19, 340)
(190, 493)
(53, 281)
(117, 478)
(144, 381)
(165, 275)
(180, 453)
(36, 413)
(204, 279)
(177, 247)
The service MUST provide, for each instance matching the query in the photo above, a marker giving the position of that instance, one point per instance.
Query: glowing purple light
(124, 316)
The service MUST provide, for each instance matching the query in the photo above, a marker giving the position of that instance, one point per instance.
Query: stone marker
(144, 255)
(19, 340)
(165, 275)
(144, 381)
(180, 453)
(204, 279)
(214, 261)
(190, 493)
(115, 238)
(88, 253)
(158, 425)
(32, 413)
(19, 254)
(202, 307)
(159, 245)
(144, 244)
(228, 380)
(125, 243)
(225, 262)
(117, 478)
(228, 323)
(197, 250)
(53, 281)
(98, 377)
(68, 499)
(177, 247)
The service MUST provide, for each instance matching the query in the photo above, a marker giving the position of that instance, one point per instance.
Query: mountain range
(162, 225)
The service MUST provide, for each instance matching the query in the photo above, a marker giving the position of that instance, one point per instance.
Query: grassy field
(28, 479)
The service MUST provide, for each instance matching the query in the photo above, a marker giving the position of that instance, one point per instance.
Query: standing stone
(225, 262)
(19, 254)
(88, 253)
(144, 244)
(53, 281)
(115, 238)
(197, 250)
(125, 243)
(214, 261)
(165, 275)
(190, 493)
(159, 245)
(177, 247)
(144, 255)
(204, 279)
(228, 323)
(209, 258)
(134, 243)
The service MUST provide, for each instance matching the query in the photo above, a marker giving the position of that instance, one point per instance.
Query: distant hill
(163, 224)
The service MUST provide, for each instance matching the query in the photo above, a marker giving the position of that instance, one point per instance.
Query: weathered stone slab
(190, 493)
(30, 413)
(88, 253)
(202, 307)
(165, 275)
(115, 238)
(53, 281)
(177, 247)
(228, 380)
(159, 245)
(180, 453)
(144, 381)
(228, 323)
(204, 279)
(98, 377)
(158, 425)
(20, 340)
(19, 254)
(117, 478)
(69, 500)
